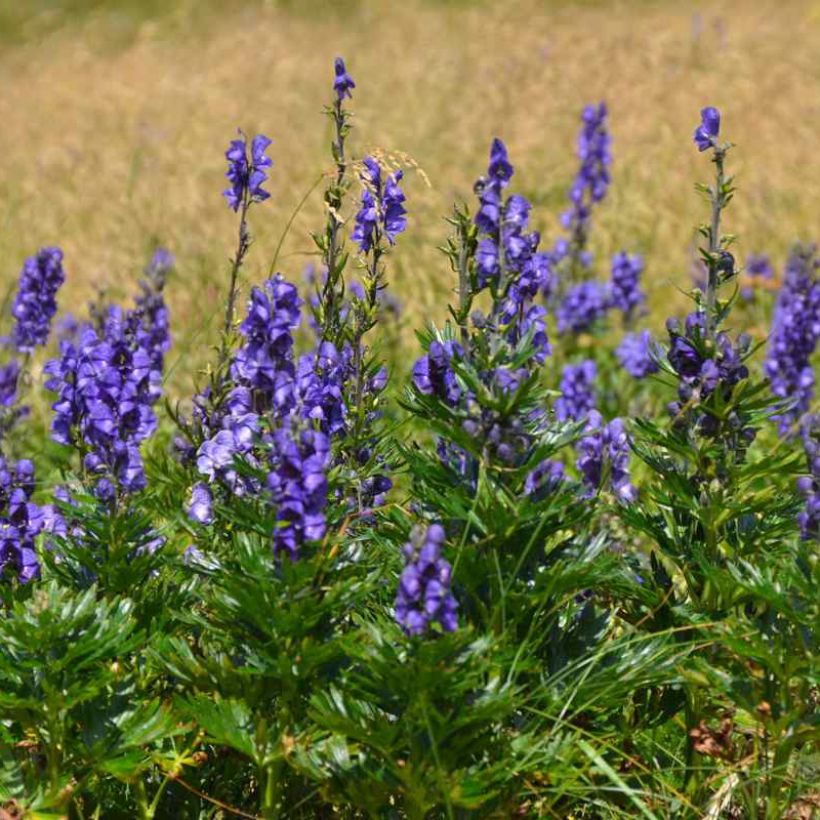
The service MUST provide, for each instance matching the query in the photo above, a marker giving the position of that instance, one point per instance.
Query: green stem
(714, 245)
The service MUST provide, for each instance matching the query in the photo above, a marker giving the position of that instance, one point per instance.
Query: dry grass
(110, 143)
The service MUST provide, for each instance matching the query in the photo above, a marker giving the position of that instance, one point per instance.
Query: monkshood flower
(424, 595)
(809, 486)
(217, 457)
(505, 245)
(9, 374)
(297, 482)
(544, 479)
(635, 354)
(21, 521)
(591, 182)
(577, 391)
(320, 381)
(35, 303)
(706, 133)
(106, 386)
(246, 173)
(433, 374)
(794, 336)
(602, 452)
(200, 507)
(343, 82)
(149, 321)
(382, 211)
(625, 288)
(582, 306)
(264, 363)
(759, 269)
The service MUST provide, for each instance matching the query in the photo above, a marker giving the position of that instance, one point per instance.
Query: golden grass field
(113, 132)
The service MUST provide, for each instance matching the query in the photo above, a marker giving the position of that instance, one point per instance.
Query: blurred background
(116, 115)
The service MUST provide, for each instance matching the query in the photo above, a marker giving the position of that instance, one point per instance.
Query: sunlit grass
(114, 125)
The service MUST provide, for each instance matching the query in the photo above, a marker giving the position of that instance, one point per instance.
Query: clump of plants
(558, 567)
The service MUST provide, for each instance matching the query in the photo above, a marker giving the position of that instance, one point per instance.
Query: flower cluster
(701, 368)
(507, 254)
(382, 211)
(794, 336)
(577, 391)
(604, 450)
(809, 486)
(278, 416)
(21, 521)
(299, 459)
(582, 306)
(106, 386)
(9, 374)
(424, 595)
(625, 293)
(635, 353)
(343, 82)
(36, 303)
(264, 365)
(706, 133)
(591, 182)
(433, 374)
(246, 173)
(150, 319)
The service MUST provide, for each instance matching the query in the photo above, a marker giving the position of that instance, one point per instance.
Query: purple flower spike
(246, 174)
(35, 303)
(200, 508)
(635, 354)
(577, 391)
(707, 132)
(424, 595)
(343, 82)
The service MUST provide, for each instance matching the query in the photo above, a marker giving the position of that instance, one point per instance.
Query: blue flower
(424, 595)
(635, 354)
(245, 173)
(809, 486)
(200, 508)
(795, 334)
(9, 374)
(35, 303)
(433, 374)
(603, 451)
(625, 290)
(343, 82)
(382, 207)
(582, 306)
(707, 132)
(297, 482)
(577, 391)
(106, 385)
(21, 521)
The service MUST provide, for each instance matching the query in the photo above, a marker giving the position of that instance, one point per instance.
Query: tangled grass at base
(543, 578)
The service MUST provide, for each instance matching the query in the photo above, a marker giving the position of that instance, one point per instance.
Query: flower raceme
(794, 336)
(35, 303)
(809, 486)
(343, 82)
(424, 596)
(577, 391)
(246, 173)
(635, 353)
(707, 132)
(382, 211)
(21, 521)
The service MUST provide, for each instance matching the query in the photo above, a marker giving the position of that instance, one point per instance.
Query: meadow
(409, 410)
